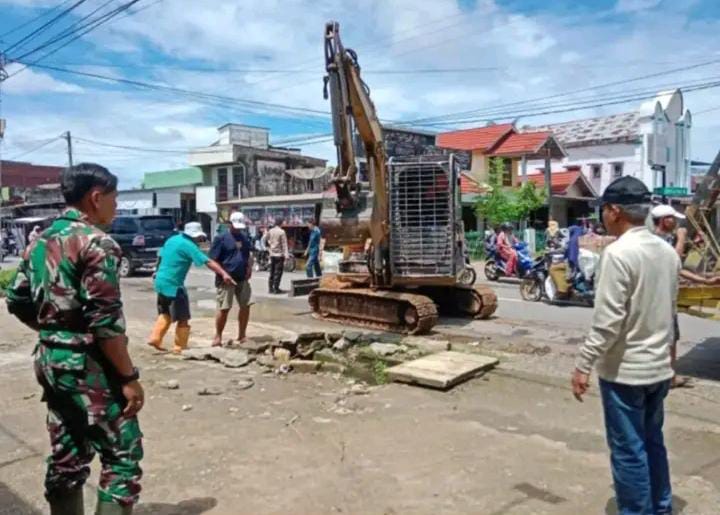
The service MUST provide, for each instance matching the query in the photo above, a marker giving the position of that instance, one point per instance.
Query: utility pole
(68, 138)
(3, 76)
(548, 184)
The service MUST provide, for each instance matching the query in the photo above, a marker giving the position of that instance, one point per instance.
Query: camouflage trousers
(85, 417)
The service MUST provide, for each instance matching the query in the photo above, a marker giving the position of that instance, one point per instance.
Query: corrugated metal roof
(481, 138)
(603, 129)
(173, 178)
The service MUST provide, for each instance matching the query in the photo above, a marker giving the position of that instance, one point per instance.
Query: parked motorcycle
(550, 279)
(9, 247)
(495, 266)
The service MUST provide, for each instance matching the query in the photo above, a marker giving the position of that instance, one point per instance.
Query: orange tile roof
(520, 143)
(468, 185)
(561, 181)
(481, 138)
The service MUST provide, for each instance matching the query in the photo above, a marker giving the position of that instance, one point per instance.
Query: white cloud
(627, 6)
(30, 82)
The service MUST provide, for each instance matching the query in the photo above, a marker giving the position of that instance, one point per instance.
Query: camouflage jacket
(67, 284)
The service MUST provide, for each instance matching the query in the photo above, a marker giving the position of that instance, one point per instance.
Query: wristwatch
(132, 377)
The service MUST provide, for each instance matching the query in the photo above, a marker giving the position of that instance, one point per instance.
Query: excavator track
(474, 301)
(384, 310)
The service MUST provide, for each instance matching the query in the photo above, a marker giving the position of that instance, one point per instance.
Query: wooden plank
(442, 370)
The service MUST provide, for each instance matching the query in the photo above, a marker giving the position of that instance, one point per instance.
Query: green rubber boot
(110, 508)
(70, 504)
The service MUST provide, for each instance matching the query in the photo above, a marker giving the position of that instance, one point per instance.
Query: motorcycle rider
(506, 242)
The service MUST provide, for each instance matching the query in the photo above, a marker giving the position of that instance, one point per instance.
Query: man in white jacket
(629, 343)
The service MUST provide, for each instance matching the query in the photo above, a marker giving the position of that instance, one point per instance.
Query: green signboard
(672, 192)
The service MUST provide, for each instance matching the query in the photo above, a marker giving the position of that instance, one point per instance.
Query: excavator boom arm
(352, 108)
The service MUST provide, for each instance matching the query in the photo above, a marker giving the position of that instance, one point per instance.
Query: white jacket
(635, 303)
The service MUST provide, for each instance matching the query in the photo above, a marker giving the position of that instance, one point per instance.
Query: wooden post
(548, 183)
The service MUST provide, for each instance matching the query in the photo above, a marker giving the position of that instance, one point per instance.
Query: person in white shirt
(35, 234)
(629, 344)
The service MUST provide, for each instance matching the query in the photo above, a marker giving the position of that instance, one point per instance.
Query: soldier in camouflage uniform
(67, 289)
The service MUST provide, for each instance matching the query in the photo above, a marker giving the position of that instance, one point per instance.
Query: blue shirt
(232, 251)
(314, 242)
(176, 257)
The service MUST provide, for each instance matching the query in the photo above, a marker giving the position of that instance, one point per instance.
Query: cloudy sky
(448, 63)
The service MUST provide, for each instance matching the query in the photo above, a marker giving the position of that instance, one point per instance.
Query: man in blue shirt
(174, 260)
(312, 253)
(232, 250)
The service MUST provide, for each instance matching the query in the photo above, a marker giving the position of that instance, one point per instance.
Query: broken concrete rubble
(171, 384)
(305, 366)
(384, 349)
(329, 356)
(333, 368)
(231, 358)
(342, 344)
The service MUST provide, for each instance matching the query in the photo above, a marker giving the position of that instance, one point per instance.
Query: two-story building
(646, 143)
(242, 170)
(166, 192)
(515, 150)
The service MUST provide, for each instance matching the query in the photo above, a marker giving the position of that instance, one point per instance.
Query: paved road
(511, 308)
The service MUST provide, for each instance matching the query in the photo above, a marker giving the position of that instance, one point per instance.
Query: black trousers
(276, 271)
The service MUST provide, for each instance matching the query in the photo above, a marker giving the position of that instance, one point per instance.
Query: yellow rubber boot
(182, 336)
(162, 324)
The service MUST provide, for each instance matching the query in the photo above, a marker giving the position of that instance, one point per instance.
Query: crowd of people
(92, 388)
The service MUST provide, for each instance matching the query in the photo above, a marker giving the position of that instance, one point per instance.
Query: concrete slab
(442, 370)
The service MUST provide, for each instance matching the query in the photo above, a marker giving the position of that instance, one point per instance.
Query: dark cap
(623, 191)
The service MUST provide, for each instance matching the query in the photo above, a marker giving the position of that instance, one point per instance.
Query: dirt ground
(513, 441)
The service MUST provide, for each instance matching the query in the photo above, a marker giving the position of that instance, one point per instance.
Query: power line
(131, 147)
(709, 85)
(565, 93)
(716, 108)
(380, 43)
(78, 33)
(628, 95)
(66, 32)
(198, 95)
(33, 20)
(34, 149)
(44, 26)
(379, 71)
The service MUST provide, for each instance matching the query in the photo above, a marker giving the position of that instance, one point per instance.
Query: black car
(140, 238)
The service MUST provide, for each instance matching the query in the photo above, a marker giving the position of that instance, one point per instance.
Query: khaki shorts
(225, 293)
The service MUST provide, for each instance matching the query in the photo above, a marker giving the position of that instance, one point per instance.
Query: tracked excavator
(403, 218)
(704, 256)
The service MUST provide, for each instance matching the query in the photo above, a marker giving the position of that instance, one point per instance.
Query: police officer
(67, 289)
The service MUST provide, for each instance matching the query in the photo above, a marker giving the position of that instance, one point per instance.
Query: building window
(222, 184)
(596, 171)
(507, 172)
(617, 169)
(238, 180)
(309, 185)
